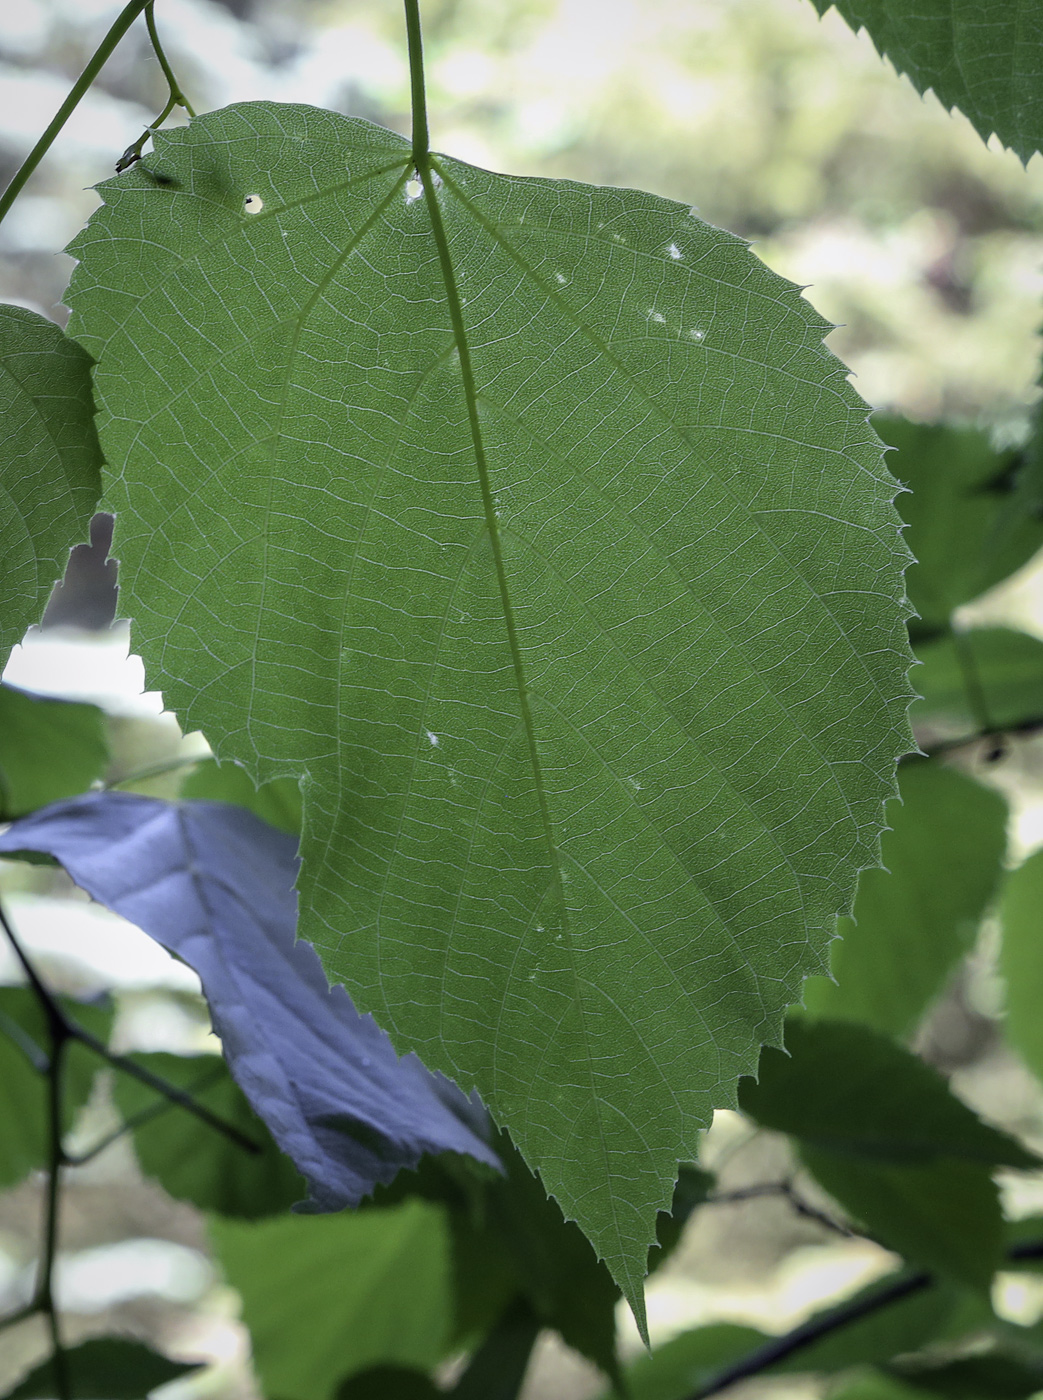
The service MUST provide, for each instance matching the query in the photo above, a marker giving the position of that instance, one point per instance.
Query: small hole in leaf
(414, 189)
(253, 204)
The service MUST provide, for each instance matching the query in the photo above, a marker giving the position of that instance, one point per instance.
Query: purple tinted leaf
(215, 885)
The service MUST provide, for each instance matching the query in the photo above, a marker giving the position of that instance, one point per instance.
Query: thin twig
(786, 1191)
(72, 1030)
(120, 25)
(155, 770)
(143, 1116)
(779, 1349)
(177, 96)
(999, 735)
(52, 1199)
(28, 1310)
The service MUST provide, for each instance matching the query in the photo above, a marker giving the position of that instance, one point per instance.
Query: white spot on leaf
(253, 204)
(432, 739)
(414, 189)
(675, 252)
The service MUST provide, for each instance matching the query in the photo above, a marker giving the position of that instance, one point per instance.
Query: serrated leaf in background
(192, 1161)
(844, 1088)
(326, 1298)
(23, 1088)
(1021, 966)
(570, 583)
(49, 749)
(959, 524)
(106, 1368)
(50, 464)
(916, 917)
(983, 56)
(214, 885)
(1005, 667)
(278, 803)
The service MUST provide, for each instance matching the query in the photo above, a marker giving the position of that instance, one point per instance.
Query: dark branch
(780, 1349)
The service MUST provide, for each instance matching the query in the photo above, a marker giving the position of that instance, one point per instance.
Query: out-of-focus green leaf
(958, 527)
(877, 1385)
(277, 802)
(900, 1327)
(917, 916)
(389, 1383)
(983, 56)
(534, 528)
(23, 1089)
(943, 1214)
(497, 1369)
(326, 1296)
(106, 1368)
(50, 463)
(559, 1274)
(510, 1240)
(846, 1089)
(191, 1160)
(990, 1376)
(1021, 960)
(1005, 666)
(49, 749)
(680, 1366)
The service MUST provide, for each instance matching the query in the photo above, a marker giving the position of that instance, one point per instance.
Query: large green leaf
(1021, 960)
(49, 749)
(983, 56)
(961, 527)
(325, 1296)
(552, 548)
(50, 463)
(191, 1159)
(990, 677)
(915, 918)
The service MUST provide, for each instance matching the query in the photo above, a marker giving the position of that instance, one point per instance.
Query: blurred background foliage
(925, 246)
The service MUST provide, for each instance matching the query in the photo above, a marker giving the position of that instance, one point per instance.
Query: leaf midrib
(492, 527)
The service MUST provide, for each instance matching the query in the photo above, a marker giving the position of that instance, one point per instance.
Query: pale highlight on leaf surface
(589, 640)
